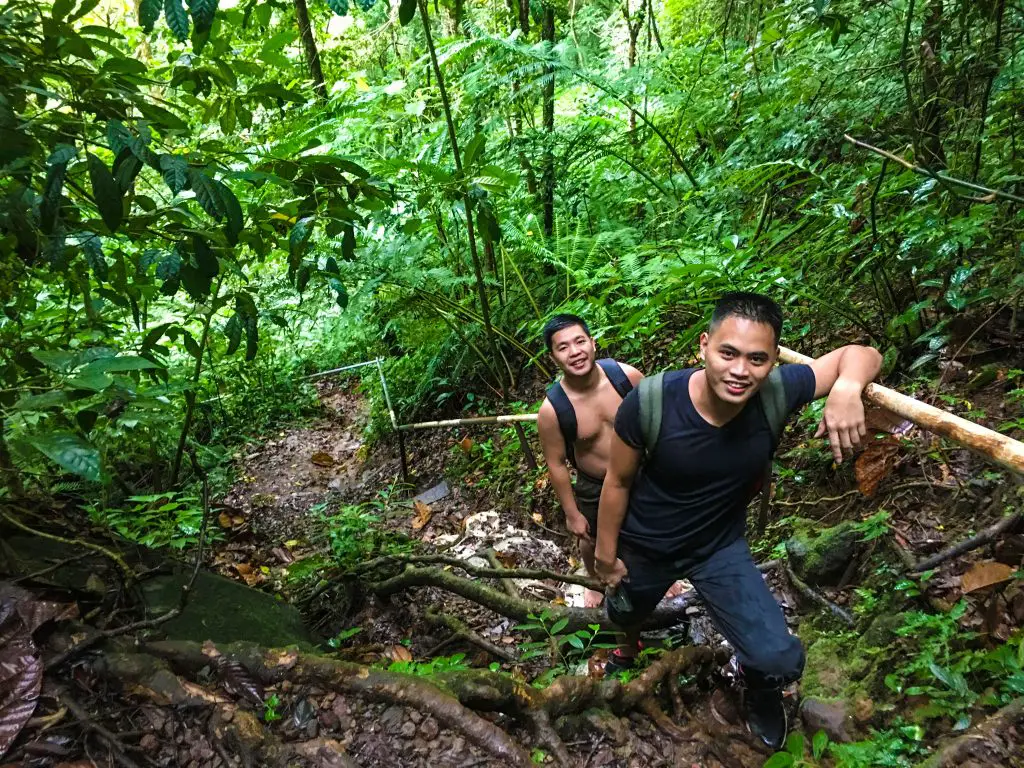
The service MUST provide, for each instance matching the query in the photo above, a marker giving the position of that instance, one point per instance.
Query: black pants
(587, 491)
(737, 600)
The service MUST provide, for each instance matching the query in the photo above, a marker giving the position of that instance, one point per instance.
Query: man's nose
(738, 369)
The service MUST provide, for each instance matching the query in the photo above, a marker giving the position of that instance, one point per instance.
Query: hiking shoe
(766, 716)
(618, 662)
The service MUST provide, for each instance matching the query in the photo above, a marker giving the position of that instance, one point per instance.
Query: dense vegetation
(202, 203)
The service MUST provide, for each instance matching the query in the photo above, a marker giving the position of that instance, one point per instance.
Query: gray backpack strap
(773, 400)
(651, 399)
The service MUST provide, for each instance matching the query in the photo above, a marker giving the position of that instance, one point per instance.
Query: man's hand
(578, 526)
(610, 574)
(843, 419)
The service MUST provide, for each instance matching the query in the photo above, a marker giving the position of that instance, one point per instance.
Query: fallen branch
(507, 585)
(993, 532)
(479, 572)
(937, 174)
(817, 598)
(460, 631)
(109, 739)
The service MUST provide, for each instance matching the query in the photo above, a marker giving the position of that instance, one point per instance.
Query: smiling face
(573, 350)
(738, 356)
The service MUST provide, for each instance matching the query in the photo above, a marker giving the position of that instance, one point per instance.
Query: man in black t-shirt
(680, 511)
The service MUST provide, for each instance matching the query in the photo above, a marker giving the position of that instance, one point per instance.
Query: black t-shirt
(691, 494)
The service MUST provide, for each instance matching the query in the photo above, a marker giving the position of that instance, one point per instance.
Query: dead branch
(668, 613)
(817, 598)
(109, 739)
(460, 631)
(986, 734)
(507, 585)
(482, 573)
(993, 532)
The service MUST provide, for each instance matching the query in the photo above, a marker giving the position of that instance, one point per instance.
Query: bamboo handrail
(1004, 451)
(1001, 449)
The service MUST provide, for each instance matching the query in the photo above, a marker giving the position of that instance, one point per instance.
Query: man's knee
(780, 662)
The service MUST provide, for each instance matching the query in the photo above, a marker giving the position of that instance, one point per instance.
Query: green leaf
(302, 278)
(234, 218)
(203, 13)
(107, 193)
(55, 359)
(207, 193)
(71, 452)
(149, 13)
(191, 345)
(575, 642)
(340, 7)
(233, 331)
(126, 168)
(61, 8)
(121, 364)
(298, 240)
(818, 744)
(118, 136)
(795, 745)
(559, 626)
(779, 760)
(490, 231)
(177, 19)
(348, 243)
(92, 246)
(169, 265)
(53, 189)
(95, 381)
(41, 402)
(174, 169)
(406, 10)
(474, 149)
(62, 155)
(341, 295)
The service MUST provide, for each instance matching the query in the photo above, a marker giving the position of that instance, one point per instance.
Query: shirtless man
(576, 424)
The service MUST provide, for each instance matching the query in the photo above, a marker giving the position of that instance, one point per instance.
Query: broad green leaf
(126, 169)
(56, 359)
(191, 345)
(559, 626)
(779, 760)
(340, 7)
(92, 247)
(302, 277)
(406, 10)
(298, 238)
(61, 8)
(62, 155)
(206, 260)
(233, 331)
(795, 745)
(169, 265)
(121, 364)
(149, 13)
(174, 169)
(71, 452)
(251, 336)
(177, 19)
(348, 243)
(53, 189)
(93, 380)
(233, 216)
(207, 193)
(118, 136)
(106, 192)
(474, 149)
(41, 402)
(818, 744)
(203, 12)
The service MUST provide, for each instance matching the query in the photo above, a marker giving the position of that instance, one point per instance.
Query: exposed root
(817, 598)
(988, 739)
(460, 631)
(993, 532)
(652, 709)
(547, 736)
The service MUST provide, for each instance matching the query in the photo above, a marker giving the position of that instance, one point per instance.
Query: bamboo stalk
(1004, 451)
(475, 420)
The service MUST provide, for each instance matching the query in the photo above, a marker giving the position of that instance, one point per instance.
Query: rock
(821, 556)
(429, 729)
(831, 670)
(391, 719)
(881, 631)
(415, 716)
(832, 716)
(408, 729)
(254, 616)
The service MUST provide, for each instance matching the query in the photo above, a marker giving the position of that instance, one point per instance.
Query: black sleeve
(799, 383)
(627, 420)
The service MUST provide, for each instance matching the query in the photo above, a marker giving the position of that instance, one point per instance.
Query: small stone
(328, 720)
(391, 718)
(458, 745)
(408, 730)
(429, 729)
(415, 716)
(830, 716)
(149, 742)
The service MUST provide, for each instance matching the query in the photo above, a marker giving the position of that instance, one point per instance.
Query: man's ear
(703, 344)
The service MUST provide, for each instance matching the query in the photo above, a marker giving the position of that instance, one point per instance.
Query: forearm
(562, 484)
(611, 513)
(858, 366)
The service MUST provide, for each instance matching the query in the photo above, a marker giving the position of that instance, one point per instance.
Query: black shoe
(766, 716)
(618, 662)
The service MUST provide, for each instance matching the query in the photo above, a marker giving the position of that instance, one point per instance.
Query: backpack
(567, 414)
(773, 403)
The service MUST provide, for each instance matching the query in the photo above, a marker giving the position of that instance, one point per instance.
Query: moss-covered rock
(881, 631)
(820, 556)
(831, 670)
(225, 611)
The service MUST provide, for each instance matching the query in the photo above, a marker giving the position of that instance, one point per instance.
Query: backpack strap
(651, 394)
(566, 419)
(773, 401)
(616, 376)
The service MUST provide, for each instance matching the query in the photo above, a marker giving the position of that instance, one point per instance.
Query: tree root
(986, 735)
(495, 572)
(451, 697)
(109, 739)
(668, 613)
(817, 598)
(993, 532)
(460, 631)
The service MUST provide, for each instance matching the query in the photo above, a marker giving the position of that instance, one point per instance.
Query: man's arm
(553, 445)
(631, 372)
(842, 375)
(622, 468)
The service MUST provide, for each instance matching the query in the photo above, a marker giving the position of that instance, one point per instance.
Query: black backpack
(567, 414)
(773, 402)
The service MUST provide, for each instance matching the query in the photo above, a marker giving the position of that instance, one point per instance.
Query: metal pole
(394, 422)
(375, 361)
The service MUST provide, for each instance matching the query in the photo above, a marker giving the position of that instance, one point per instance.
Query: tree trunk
(548, 173)
(316, 71)
(931, 67)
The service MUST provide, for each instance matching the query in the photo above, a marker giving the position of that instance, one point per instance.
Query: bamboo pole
(1004, 451)
(474, 420)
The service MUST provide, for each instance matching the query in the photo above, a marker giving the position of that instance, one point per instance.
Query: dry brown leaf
(244, 569)
(507, 559)
(322, 459)
(875, 464)
(985, 574)
(224, 519)
(398, 653)
(466, 444)
(423, 515)
(538, 518)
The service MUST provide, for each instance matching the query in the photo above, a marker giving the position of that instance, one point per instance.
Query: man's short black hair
(561, 322)
(752, 306)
